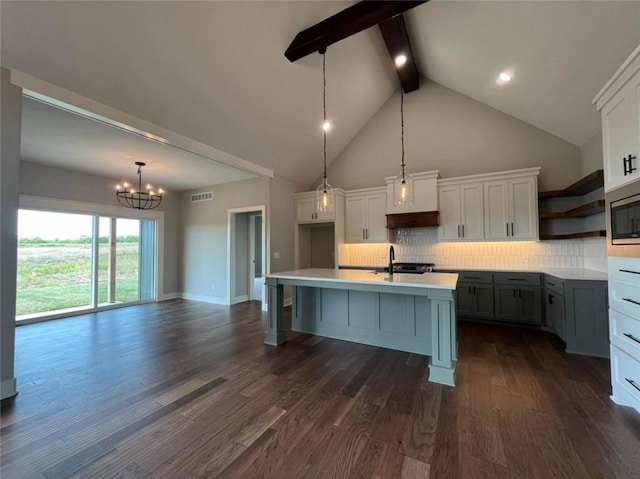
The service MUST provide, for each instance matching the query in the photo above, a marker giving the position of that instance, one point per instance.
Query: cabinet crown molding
(366, 191)
(424, 175)
(502, 175)
(619, 78)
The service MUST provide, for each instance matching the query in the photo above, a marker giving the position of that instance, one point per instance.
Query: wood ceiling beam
(343, 24)
(395, 35)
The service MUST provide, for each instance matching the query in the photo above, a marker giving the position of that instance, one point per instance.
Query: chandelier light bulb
(326, 126)
(160, 191)
(126, 185)
(117, 187)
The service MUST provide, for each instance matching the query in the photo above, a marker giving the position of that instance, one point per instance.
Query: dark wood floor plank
(187, 389)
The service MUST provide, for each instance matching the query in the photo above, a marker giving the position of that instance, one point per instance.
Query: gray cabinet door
(587, 320)
(464, 299)
(522, 304)
(530, 299)
(555, 312)
(483, 300)
(507, 305)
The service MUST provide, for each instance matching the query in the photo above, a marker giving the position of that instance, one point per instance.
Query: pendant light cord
(324, 120)
(402, 130)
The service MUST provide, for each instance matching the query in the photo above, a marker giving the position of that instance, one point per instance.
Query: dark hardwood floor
(184, 389)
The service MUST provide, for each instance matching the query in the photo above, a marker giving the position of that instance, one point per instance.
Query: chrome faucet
(392, 256)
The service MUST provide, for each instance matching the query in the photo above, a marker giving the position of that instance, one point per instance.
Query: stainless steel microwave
(624, 215)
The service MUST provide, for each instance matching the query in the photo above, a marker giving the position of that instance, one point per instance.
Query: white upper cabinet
(619, 104)
(461, 214)
(425, 194)
(511, 209)
(496, 207)
(306, 208)
(365, 220)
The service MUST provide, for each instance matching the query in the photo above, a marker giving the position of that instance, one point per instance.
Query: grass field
(58, 276)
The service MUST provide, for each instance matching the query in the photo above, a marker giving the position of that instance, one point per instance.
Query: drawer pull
(517, 279)
(631, 337)
(628, 271)
(550, 283)
(633, 383)
(471, 277)
(637, 303)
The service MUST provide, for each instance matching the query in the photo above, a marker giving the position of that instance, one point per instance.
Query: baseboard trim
(169, 296)
(8, 388)
(240, 299)
(204, 299)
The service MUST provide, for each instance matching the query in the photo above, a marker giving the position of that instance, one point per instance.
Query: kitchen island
(406, 312)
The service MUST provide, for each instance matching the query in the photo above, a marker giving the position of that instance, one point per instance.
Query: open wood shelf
(584, 234)
(581, 187)
(585, 210)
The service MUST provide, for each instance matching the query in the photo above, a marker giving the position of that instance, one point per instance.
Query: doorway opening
(248, 261)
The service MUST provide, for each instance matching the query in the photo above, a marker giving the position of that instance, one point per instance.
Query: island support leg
(443, 345)
(274, 335)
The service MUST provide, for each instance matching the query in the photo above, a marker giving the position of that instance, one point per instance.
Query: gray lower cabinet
(518, 297)
(576, 310)
(474, 300)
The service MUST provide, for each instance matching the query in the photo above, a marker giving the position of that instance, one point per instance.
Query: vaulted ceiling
(215, 71)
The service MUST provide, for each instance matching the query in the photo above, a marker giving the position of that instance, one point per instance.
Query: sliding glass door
(69, 262)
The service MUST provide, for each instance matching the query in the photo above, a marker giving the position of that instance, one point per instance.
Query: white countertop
(431, 280)
(561, 273)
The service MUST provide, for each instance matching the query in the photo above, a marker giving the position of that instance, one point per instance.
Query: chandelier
(138, 199)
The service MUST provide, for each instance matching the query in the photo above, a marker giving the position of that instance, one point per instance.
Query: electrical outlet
(276, 255)
(213, 286)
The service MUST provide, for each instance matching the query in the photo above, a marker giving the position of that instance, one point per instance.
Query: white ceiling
(60, 138)
(215, 71)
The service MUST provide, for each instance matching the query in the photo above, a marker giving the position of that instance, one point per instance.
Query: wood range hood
(422, 219)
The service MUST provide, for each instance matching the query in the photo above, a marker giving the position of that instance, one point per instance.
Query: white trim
(501, 175)
(205, 298)
(231, 232)
(424, 175)
(8, 388)
(618, 79)
(240, 299)
(62, 98)
(366, 191)
(169, 296)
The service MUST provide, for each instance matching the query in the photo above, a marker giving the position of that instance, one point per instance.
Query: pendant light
(325, 196)
(403, 184)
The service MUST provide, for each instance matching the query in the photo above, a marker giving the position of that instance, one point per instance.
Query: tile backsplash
(421, 245)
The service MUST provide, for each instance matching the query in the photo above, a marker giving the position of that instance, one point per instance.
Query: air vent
(199, 197)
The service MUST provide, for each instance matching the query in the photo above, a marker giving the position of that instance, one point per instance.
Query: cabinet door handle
(550, 299)
(519, 293)
(628, 271)
(514, 292)
(627, 164)
(463, 231)
(458, 231)
(507, 225)
(631, 337)
(469, 288)
(512, 234)
(367, 232)
(474, 290)
(637, 303)
(633, 383)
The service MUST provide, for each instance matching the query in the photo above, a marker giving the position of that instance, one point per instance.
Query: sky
(51, 226)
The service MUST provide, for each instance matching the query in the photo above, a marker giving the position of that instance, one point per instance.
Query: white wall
(10, 125)
(204, 229)
(591, 155)
(455, 134)
(50, 182)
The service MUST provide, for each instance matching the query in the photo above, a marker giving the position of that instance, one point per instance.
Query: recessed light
(505, 77)
(400, 60)
(326, 126)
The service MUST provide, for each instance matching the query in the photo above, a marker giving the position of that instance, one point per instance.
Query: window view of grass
(55, 274)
